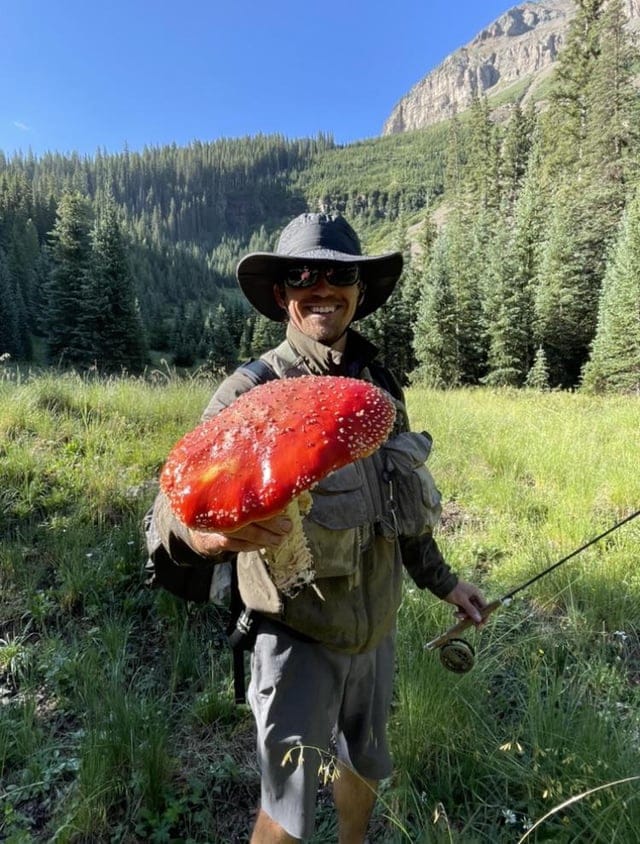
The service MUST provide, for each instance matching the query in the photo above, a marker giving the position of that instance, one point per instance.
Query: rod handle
(461, 625)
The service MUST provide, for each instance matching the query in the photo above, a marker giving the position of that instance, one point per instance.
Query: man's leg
(267, 831)
(355, 798)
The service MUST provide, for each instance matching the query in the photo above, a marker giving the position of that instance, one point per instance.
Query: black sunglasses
(336, 274)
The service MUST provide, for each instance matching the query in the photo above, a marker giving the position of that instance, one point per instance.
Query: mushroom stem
(291, 564)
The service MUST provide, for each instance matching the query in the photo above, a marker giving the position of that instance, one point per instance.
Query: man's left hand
(469, 600)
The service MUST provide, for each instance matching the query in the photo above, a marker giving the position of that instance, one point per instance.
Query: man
(323, 666)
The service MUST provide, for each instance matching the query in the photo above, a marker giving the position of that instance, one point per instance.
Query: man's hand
(252, 537)
(469, 600)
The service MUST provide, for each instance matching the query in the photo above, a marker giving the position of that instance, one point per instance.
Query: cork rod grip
(460, 626)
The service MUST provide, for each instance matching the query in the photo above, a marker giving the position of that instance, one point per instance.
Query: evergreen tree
(538, 375)
(18, 273)
(65, 289)
(436, 332)
(612, 109)
(390, 328)
(9, 333)
(188, 329)
(266, 335)
(564, 122)
(568, 289)
(23, 256)
(218, 346)
(246, 339)
(507, 308)
(514, 157)
(615, 355)
(110, 317)
(481, 169)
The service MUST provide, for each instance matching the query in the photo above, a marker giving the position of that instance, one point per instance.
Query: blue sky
(82, 75)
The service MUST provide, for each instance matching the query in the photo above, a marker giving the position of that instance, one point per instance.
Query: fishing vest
(358, 514)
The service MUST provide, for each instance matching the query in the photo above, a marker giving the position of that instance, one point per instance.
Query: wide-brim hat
(317, 238)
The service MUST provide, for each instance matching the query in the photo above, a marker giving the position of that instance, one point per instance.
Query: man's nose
(321, 285)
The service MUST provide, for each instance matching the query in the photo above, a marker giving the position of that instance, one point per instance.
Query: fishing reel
(457, 655)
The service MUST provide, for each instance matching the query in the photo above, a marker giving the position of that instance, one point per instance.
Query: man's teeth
(322, 309)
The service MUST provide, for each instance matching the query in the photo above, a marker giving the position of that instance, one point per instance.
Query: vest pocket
(333, 527)
(413, 498)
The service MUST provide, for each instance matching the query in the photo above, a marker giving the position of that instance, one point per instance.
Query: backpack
(195, 583)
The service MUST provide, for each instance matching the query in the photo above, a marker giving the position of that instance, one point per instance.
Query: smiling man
(322, 667)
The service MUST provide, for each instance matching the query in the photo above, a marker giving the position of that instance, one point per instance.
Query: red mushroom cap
(275, 441)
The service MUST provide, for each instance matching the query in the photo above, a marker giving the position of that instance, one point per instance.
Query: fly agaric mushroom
(260, 456)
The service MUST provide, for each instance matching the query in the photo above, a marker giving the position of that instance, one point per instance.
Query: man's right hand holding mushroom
(252, 537)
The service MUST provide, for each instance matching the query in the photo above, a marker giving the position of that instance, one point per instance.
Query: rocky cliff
(518, 49)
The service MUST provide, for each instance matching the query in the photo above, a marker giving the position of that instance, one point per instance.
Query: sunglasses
(338, 275)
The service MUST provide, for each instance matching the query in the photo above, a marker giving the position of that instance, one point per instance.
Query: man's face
(322, 311)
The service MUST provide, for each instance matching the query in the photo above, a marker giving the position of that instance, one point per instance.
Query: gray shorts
(302, 695)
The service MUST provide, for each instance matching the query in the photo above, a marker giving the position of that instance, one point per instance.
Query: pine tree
(266, 335)
(188, 329)
(568, 289)
(615, 355)
(18, 270)
(390, 328)
(436, 331)
(514, 157)
(110, 319)
(538, 375)
(507, 309)
(65, 289)
(564, 122)
(612, 109)
(481, 168)
(23, 256)
(218, 346)
(246, 340)
(9, 333)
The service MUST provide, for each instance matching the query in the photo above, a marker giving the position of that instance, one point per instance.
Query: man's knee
(267, 831)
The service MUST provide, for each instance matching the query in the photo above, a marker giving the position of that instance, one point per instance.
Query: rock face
(518, 48)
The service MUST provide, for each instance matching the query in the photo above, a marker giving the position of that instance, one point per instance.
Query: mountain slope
(517, 49)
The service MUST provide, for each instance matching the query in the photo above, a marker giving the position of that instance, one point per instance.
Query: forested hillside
(521, 238)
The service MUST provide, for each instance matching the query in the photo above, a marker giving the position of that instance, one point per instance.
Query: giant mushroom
(262, 454)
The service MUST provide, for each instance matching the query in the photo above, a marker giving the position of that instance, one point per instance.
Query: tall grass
(117, 721)
(550, 709)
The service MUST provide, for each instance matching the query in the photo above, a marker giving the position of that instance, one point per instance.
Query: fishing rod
(457, 654)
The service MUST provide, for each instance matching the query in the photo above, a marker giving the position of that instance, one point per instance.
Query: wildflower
(509, 816)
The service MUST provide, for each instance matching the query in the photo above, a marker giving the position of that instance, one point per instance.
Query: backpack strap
(259, 370)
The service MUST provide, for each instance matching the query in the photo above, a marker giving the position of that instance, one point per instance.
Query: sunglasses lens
(340, 276)
(300, 277)
(343, 276)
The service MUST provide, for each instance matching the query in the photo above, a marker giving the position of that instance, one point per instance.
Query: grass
(117, 721)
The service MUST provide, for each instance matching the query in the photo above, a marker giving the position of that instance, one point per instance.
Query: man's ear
(278, 294)
(363, 290)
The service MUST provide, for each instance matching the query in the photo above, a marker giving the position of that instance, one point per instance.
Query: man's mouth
(322, 309)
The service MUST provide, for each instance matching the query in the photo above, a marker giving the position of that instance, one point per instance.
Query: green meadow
(117, 721)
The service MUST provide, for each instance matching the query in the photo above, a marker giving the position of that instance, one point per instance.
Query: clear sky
(82, 75)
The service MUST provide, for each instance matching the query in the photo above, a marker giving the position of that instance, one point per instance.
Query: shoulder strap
(259, 370)
(262, 372)
(386, 379)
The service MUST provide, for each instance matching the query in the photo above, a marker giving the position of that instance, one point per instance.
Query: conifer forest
(520, 227)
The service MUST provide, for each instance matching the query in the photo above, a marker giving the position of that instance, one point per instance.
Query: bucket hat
(317, 238)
